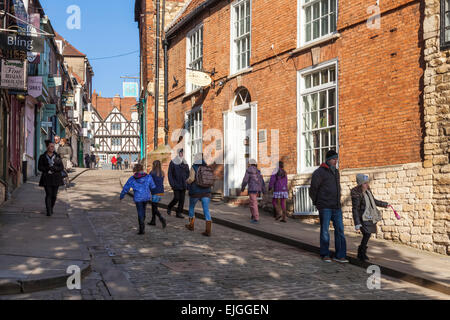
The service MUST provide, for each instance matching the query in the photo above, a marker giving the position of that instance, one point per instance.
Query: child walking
(256, 185)
(279, 184)
(142, 184)
(158, 177)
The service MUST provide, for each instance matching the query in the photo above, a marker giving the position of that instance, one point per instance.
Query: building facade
(116, 127)
(292, 81)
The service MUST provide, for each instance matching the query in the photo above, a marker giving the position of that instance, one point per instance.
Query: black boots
(153, 222)
(141, 227)
(362, 253)
(161, 219)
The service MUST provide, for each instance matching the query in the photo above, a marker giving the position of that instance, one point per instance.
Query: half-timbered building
(116, 129)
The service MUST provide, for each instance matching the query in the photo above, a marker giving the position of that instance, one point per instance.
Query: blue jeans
(335, 215)
(141, 207)
(205, 205)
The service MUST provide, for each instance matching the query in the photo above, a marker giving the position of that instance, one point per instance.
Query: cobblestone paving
(178, 264)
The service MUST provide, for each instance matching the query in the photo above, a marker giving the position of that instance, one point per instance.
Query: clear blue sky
(107, 29)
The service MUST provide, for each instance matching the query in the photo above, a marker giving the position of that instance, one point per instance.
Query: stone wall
(409, 188)
(437, 121)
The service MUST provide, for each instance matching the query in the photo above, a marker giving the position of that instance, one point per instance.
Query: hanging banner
(20, 11)
(198, 78)
(13, 41)
(13, 75)
(35, 86)
(35, 24)
(130, 90)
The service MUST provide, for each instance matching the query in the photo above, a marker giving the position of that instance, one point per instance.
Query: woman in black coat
(51, 166)
(365, 213)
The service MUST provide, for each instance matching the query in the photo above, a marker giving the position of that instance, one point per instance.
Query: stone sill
(192, 93)
(244, 71)
(315, 43)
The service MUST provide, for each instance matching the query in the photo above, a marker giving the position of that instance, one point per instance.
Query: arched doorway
(240, 127)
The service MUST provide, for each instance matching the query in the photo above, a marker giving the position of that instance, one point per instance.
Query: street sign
(35, 86)
(130, 90)
(198, 78)
(14, 74)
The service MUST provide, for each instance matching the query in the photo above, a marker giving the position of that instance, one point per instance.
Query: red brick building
(293, 80)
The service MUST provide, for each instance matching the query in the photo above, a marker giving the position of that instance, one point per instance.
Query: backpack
(204, 177)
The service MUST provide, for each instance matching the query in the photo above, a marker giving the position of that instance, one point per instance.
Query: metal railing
(303, 205)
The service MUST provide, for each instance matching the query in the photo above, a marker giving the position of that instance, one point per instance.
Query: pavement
(426, 269)
(36, 250)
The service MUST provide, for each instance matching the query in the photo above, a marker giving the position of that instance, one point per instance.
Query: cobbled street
(178, 264)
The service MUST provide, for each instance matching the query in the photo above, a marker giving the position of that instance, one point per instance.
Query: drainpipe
(158, 34)
(166, 81)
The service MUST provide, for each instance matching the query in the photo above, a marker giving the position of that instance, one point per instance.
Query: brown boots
(207, 232)
(190, 226)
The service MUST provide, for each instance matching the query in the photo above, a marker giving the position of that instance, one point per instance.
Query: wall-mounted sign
(13, 41)
(35, 86)
(130, 90)
(35, 24)
(68, 100)
(198, 78)
(14, 74)
(46, 124)
(54, 81)
(87, 116)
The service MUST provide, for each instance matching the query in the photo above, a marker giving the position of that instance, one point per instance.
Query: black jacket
(47, 179)
(358, 208)
(325, 190)
(178, 174)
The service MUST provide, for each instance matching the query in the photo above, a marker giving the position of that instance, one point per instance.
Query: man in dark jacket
(178, 174)
(325, 193)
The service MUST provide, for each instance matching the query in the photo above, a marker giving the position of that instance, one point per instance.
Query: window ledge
(198, 90)
(315, 43)
(243, 71)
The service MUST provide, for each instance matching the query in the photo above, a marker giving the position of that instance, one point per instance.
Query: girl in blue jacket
(142, 185)
(158, 177)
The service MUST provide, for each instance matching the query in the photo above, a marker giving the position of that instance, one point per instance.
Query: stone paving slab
(36, 250)
(424, 268)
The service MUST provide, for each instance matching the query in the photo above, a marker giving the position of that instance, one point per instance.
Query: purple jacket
(278, 184)
(254, 180)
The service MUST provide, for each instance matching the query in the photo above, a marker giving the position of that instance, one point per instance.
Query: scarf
(51, 161)
(371, 213)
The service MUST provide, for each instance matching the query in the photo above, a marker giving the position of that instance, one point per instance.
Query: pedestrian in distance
(158, 178)
(365, 212)
(142, 184)
(200, 181)
(93, 161)
(114, 162)
(325, 193)
(178, 174)
(87, 160)
(51, 166)
(65, 152)
(126, 164)
(57, 143)
(119, 163)
(256, 186)
(279, 184)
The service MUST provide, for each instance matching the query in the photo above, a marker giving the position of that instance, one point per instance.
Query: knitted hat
(361, 179)
(252, 161)
(331, 154)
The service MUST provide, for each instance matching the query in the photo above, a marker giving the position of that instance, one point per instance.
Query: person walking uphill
(365, 212)
(256, 185)
(325, 193)
(51, 166)
(279, 184)
(201, 179)
(158, 177)
(178, 174)
(142, 184)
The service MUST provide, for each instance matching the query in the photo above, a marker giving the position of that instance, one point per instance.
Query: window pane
(314, 102)
(332, 5)
(243, 60)
(332, 22)
(324, 74)
(324, 7)
(247, 24)
(316, 31)
(332, 75)
(308, 162)
(308, 141)
(323, 118)
(333, 137)
(308, 14)
(324, 154)
(447, 35)
(331, 117)
(331, 97)
(308, 32)
(316, 79)
(314, 120)
(324, 26)
(306, 105)
(308, 81)
(323, 99)
(325, 138)
(316, 10)
(306, 122)
(316, 157)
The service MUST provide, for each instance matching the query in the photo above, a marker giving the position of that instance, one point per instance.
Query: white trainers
(342, 260)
